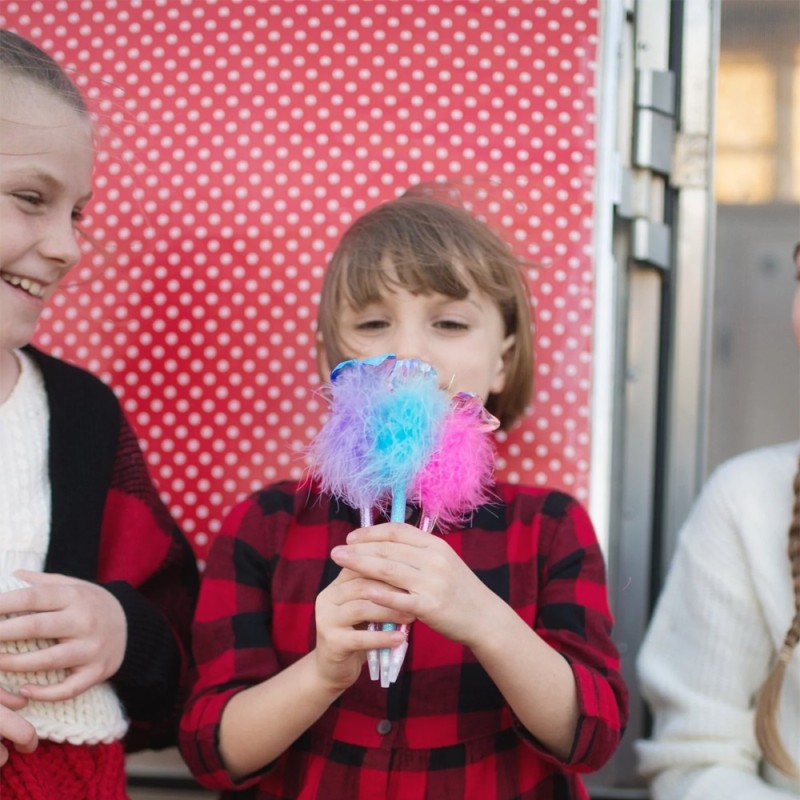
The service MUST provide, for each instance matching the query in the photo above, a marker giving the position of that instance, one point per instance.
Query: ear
(503, 359)
(323, 365)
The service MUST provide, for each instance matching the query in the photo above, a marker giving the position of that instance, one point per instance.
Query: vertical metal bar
(694, 223)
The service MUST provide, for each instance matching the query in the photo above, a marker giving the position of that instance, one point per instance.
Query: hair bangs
(426, 247)
(366, 280)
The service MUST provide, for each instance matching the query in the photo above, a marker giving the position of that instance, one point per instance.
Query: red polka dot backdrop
(236, 142)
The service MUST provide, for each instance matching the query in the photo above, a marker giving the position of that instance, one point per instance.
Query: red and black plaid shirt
(443, 730)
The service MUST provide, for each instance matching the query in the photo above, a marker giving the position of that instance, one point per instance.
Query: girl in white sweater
(719, 666)
(97, 584)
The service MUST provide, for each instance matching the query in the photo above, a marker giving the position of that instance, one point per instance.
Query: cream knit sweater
(96, 715)
(722, 616)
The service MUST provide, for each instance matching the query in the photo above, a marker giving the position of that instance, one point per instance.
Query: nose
(60, 242)
(410, 341)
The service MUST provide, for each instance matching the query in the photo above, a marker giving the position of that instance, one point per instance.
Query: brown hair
(432, 247)
(768, 698)
(24, 59)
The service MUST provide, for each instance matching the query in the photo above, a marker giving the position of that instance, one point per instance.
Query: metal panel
(651, 243)
(694, 224)
(655, 89)
(660, 264)
(626, 357)
(654, 134)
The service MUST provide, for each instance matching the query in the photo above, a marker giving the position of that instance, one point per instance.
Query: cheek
(56, 286)
(14, 242)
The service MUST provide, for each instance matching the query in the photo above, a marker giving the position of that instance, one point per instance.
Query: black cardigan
(92, 451)
(84, 429)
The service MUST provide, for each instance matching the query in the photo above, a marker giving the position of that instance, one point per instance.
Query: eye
(372, 325)
(452, 325)
(29, 198)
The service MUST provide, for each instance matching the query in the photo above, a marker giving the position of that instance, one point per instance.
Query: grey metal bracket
(651, 243)
(654, 122)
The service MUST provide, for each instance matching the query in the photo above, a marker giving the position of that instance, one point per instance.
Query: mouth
(27, 285)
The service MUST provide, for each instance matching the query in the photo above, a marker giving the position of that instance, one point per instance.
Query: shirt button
(384, 727)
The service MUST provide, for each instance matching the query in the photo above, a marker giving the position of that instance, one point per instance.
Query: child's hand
(14, 730)
(86, 622)
(343, 610)
(436, 585)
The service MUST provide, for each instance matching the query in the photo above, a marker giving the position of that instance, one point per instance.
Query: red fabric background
(239, 139)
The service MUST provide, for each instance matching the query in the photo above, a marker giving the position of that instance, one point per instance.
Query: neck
(9, 372)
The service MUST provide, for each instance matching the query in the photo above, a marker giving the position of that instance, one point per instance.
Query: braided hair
(769, 739)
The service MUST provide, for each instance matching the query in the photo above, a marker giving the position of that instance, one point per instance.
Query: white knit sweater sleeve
(708, 649)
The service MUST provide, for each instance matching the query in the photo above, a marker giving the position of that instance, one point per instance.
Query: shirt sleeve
(574, 618)
(231, 634)
(148, 565)
(705, 655)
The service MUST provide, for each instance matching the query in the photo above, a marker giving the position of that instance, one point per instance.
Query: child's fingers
(415, 562)
(66, 655)
(379, 639)
(47, 592)
(396, 543)
(40, 625)
(16, 730)
(339, 646)
(384, 562)
(13, 701)
(46, 578)
(343, 637)
(344, 576)
(390, 532)
(86, 621)
(77, 682)
(362, 639)
(352, 604)
(420, 579)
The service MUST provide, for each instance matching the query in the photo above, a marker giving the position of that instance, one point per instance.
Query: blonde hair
(432, 247)
(24, 59)
(766, 727)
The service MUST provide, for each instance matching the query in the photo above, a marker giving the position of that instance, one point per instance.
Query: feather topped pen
(393, 435)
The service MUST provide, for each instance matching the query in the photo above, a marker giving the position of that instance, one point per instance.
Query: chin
(13, 340)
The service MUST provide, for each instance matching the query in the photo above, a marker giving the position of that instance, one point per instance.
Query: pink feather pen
(456, 478)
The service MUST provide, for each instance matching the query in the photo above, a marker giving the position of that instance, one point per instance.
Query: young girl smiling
(97, 585)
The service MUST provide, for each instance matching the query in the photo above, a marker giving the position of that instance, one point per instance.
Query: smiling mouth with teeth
(33, 288)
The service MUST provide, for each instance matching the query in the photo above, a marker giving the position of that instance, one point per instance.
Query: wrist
(327, 682)
(489, 623)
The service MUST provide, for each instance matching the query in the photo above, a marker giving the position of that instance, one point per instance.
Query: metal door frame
(654, 256)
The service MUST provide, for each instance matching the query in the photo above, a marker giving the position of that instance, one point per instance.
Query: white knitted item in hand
(92, 717)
